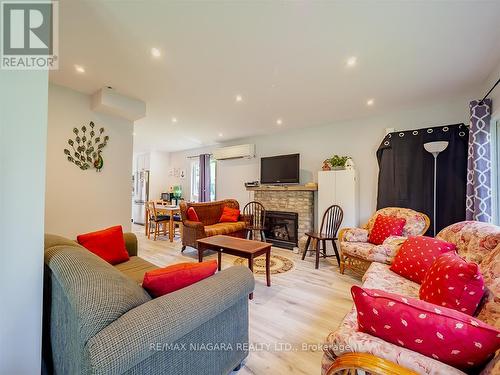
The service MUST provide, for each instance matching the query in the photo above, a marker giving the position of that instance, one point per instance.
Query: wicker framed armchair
(209, 214)
(356, 253)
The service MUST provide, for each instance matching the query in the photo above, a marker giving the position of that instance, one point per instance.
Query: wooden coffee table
(239, 247)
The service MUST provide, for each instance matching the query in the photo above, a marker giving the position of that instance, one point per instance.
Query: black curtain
(406, 172)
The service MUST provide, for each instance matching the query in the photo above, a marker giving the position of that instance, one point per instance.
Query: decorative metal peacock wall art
(86, 150)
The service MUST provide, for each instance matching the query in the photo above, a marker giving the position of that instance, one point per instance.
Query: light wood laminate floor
(300, 308)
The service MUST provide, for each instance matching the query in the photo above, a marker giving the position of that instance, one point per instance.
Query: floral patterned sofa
(478, 242)
(357, 253)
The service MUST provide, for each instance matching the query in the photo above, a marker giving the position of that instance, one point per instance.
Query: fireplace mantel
(282, 188)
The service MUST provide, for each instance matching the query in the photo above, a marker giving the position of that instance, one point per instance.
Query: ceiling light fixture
(79, 69)
(155, 52)
(279, 121)
(239, 98)
(370, 102)
(174, 119)
(220, 134)
(351, 61)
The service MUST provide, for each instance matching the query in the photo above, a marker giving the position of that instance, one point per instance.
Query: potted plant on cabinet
(336, 162)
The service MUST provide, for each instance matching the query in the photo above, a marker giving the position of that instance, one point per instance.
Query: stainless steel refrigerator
(140, 194)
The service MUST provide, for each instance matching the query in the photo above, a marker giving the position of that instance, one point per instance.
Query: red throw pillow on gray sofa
(416, 256)
(453, 282)
(169, 279)
(438, 332)
(107, 244)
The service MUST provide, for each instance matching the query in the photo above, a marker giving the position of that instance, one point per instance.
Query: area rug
(278, 264)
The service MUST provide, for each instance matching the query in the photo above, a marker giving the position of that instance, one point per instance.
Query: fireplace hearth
(282, 228)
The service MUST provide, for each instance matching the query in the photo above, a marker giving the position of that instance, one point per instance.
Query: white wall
(159, 164)
(23, 131)
(357, 138)
(81, 201)
(495, 94)
(495, 117)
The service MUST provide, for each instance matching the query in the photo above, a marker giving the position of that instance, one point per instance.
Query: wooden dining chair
(155, 221)
(254, 215)
(330, 224)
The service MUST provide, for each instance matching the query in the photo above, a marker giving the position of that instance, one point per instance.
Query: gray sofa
(99, 320)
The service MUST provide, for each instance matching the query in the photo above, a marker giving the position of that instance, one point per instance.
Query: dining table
(169, 210)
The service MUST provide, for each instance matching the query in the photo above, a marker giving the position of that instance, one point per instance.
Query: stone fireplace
(293, 199)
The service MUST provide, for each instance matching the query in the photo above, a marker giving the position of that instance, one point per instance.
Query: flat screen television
(281, 169)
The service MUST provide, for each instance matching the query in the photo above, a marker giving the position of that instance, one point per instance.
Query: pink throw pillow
(453, 282)
(438, 332)
(416, 256)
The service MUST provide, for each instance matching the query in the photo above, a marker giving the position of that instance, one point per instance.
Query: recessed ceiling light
(279, 121)
(370, 102)
(239, 98)
(351, 61)
(220, 134)
(79, 69)
(174, 119)
(155, 52)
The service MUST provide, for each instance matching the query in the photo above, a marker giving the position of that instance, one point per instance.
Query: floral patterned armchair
(347, 347)
(357, 253)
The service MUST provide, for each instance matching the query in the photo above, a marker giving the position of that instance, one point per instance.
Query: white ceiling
(287, 60)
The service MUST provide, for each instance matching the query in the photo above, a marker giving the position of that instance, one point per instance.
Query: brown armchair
(209, 214)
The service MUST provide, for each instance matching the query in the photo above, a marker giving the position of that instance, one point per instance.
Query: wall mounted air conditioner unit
(235, 152)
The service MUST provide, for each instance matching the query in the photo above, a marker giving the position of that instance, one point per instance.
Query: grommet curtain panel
(204, 178)
(406, 172)
(479, 200)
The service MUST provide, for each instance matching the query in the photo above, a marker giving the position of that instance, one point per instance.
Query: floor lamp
(435, 148)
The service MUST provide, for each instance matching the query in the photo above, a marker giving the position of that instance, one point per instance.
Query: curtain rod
(489, 92)
(197, 156)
